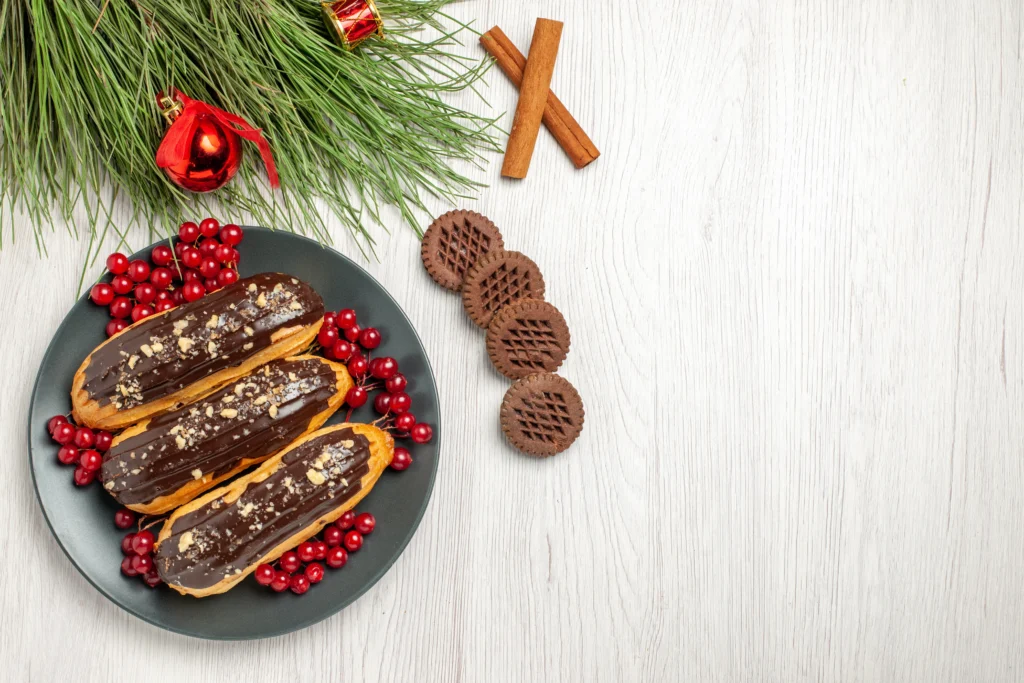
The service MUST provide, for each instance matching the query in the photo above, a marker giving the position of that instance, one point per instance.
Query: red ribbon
(178, 140)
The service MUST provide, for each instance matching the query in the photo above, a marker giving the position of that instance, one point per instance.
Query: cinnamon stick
(533, 97)
(563, 126)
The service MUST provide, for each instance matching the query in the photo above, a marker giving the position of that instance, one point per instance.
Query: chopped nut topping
(245, 511)
(261, 300)
(185, 541)
(179, 327)
(278, 287)
(295, 306)
(209, 411)
(272, 411)
(239, 388)
(212, 322)
(260, 400)
(315, 477)
(293, 377)
(132, 361)
(229, 413)
(248, 331)
(247, 346)
(157, 347)
(211, 348)
(197, 473)
(252, 286)
(348, 443)
(228, 399)
(179, 441)
(184, 344)
(109, 486)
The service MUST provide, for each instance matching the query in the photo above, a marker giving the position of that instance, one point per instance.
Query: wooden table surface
(794, 285)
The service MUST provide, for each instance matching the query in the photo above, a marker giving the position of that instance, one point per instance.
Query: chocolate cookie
(498, 279)
(454, 242)
(527, 337)
(542, 415)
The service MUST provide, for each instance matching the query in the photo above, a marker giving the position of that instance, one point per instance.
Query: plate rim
(377, 575)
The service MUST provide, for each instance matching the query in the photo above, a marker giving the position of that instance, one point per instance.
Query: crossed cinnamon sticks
(536, 101)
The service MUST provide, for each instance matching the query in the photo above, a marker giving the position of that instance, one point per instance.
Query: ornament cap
(170, 108)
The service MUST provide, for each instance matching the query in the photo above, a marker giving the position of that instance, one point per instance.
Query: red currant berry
(145, 292)
(222, 253)
(126, 567)
(405, 422)
(346, 318)
(142, 544)
(103, 441)
(179, 248)
(64, 433)
(353, 541)
(290, 561)
(126, 544)
(84, 437)
(300, 584)
(121, 307)
(234, 258)
(337, 557)
(396, 384)
(138, 271)
(193, 291)
(342, 350)
(332, 536)
(209, 227)
(84, 477)
(369, 338)
(188, 232)
(382, 403)
(231, 234)
(307, 553)
(209, 267)
(142, 563)
(152, 578)
(91, 460)
(192, 257)
(141, 312)
(122, 284)
(68, 454)
(161, 278)
(227, 277)
(162, 306)
(347, 520)
(356, 397)
(330, 318)
(387, 368)
(401, 459)
(351, 333)
(101, 294)
(161, 255)
(117, 263)
(421, 433)
(208, 247)
(177, 297)
(192, 275)
(319, 550)
(115, 326)
(315, 571)
(327, 336)
(366, 523)
(124, 518)
(400, 402)
(264, 574)
(54, 422)
(357, 365)
(163, 295)
(281, 582)
(211, 284)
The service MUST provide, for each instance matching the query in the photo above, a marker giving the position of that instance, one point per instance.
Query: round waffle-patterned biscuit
(454, 242)
(542, 415)
(527, 337)
(497, 280)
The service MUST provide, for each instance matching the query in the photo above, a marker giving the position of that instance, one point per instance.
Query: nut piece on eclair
(209, 545)
(166, 461)
(173, 358)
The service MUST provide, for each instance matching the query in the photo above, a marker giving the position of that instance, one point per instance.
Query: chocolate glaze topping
(221, 539)
(223, 329)
(252, 418)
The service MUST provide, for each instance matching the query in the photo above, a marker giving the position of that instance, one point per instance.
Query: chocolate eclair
(207, 546)
(173, 358)
(166, 461)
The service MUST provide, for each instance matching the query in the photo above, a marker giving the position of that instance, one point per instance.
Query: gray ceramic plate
(82, 520)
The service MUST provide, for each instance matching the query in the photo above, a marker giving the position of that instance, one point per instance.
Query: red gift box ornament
(352, 21)
(201, 149)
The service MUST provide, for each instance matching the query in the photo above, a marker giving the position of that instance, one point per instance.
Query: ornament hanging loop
(170, 108)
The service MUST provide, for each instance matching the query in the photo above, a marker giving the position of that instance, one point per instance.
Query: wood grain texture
(794, 285)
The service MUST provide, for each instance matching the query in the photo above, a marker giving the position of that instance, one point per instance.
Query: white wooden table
(794, 285)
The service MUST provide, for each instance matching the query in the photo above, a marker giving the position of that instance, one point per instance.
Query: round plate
(82, 520)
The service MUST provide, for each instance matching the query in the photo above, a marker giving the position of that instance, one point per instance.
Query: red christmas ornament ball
(215, 154)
